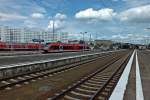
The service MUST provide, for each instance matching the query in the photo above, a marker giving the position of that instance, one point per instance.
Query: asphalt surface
(11, 53)
(144, 63)
(130, 93)
(8, 60)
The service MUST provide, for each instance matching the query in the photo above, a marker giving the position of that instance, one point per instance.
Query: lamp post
(11, 40)
(90, 38)
(39, 38)
(53, 28)
(148, 38)
(83, 39)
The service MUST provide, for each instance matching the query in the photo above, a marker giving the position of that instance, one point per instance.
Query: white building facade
(8, 34)
(23, 35)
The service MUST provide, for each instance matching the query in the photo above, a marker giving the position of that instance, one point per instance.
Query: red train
(20, 46)
(64, 47)
(48, 47)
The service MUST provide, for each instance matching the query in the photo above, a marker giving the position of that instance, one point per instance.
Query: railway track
(8, 83)
(96, 86)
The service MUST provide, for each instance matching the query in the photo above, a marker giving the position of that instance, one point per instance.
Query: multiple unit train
(64, 47)
(20, 46)
(48, 47)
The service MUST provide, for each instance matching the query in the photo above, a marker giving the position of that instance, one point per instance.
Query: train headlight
(46, 48)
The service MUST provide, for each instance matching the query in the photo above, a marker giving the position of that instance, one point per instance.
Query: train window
(61, 47)
(71, 47)
(46, 45)
(76, 47)
(55, 47)
(65, 47)
(81, 47)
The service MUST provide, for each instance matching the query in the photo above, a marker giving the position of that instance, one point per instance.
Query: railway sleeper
(92, 84)
(67, 97)
(96, 82)
(90, 87)
(86, 90)
(79, 95)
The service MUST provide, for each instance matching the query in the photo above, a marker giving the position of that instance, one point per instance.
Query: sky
(126, 20)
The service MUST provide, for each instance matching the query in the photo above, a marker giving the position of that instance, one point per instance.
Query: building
(30, 35)
(47, 36)
(24, 35)
(73, 41)
(103, 42)
(141, 46)
(63, 37)
(8, 34)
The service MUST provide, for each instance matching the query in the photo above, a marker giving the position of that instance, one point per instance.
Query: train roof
(65, 44)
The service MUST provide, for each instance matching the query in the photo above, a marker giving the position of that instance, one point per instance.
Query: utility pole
(53, 28)
(90, 38)
(83, 39)
(11, 40)
(39, 40)
(96, 37)
(147, 40)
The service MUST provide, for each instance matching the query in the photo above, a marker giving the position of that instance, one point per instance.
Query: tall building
(30, 35)
(63, 36)
(54, 37)
(49, 36)
(24, 35)
(41, 35)
(8, 34)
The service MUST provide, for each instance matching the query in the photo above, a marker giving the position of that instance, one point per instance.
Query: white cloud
(26, 7)
(118, 36)
(58, 21)
(37, 15)
(57, 24)
(131, 38)
(30, 24)
(137, 14)
(115, 0)
(136, 3)
(60, 16)
(11, 17)
(105, 14)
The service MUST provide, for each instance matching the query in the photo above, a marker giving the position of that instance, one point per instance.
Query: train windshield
(47, 45)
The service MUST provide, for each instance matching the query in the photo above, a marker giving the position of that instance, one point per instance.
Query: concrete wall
(10, 71)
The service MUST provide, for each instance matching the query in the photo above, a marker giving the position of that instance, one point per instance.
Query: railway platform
(144, 63)
(139, 78)
(130, 93)
(13, 53)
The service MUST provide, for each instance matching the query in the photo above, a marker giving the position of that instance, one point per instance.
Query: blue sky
(106, 19)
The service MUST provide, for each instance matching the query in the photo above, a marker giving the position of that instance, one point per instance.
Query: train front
(46, 48)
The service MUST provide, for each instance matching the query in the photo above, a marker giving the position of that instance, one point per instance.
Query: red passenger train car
(64, 47)
(20, 46)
